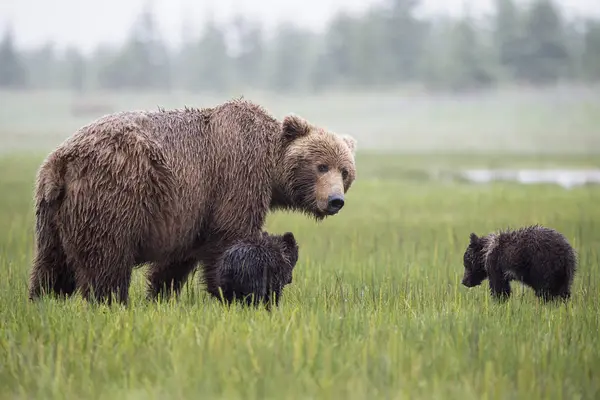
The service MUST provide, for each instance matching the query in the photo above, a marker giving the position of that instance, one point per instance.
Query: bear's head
(474, 262)
(289, 251)
(287, 246)
(280, 273)
(316, 169)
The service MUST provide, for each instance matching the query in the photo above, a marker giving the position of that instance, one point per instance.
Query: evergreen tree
(591, 55)
(546, 58)
(75, 67)
(249, 62)
(471, 67)
(208, 62)
(291, 53)
(336, 62)
(386, 46)
(12, 70)
(143, 62)
(404, 40)
(508, 37)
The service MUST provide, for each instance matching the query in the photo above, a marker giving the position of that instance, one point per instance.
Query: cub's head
(474, 262)
(316, 169)
(284, 256)
(288, 249)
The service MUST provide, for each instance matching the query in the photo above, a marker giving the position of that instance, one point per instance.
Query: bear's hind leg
(106, 279)
(51, 273)
(563, 286)
(167, 278)
(555, 287)
(65, 284)
(547, 295)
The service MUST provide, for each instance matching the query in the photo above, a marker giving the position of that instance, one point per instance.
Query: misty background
(501, 75)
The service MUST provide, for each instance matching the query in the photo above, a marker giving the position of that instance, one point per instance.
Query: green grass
(376, 308)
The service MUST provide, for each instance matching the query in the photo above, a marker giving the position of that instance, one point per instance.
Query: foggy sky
(87, 23)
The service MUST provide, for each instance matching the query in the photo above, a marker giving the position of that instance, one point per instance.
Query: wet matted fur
(252, 271)
(174, 189)
(536, 256)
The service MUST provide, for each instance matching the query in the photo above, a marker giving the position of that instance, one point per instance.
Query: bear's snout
(470, 281)
(335, 204)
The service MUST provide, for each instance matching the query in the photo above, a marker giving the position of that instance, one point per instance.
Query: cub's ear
(295, 127)
(474, 239)
(289, 239)
(350, 142)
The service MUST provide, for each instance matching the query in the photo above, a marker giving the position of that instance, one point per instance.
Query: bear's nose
(335, 204)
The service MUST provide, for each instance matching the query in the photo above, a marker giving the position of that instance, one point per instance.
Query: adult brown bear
(174, 189)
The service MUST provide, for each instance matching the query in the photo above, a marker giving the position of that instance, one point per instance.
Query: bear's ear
(295, 127)
(474, 239)
(289, 239)
(350, 142)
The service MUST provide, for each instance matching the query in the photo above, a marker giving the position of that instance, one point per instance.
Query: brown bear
(254, 270)
(174, 189)
(536, 256)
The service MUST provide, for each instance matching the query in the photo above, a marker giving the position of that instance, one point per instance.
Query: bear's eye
(344, 173)
(323, 168)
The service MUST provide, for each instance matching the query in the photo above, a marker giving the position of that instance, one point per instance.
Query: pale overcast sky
(87, 23)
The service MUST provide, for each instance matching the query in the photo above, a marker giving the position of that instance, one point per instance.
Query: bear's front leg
(166, 278)
(272, 298)
(499, 285)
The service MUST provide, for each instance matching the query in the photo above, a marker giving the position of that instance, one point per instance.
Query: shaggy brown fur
(175, 188)
(253, 270)
(539, 257)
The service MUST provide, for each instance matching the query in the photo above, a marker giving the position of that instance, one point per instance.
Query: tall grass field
(375, 310)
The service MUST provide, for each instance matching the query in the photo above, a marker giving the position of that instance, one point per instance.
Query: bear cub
(252, 270)
(536, 256)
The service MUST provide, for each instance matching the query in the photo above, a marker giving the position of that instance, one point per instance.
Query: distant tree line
(385, 47)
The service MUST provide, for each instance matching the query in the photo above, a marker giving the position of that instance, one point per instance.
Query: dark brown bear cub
(253, 270)
(536, 256)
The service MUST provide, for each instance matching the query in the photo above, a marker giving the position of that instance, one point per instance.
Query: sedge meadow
(376, 308)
